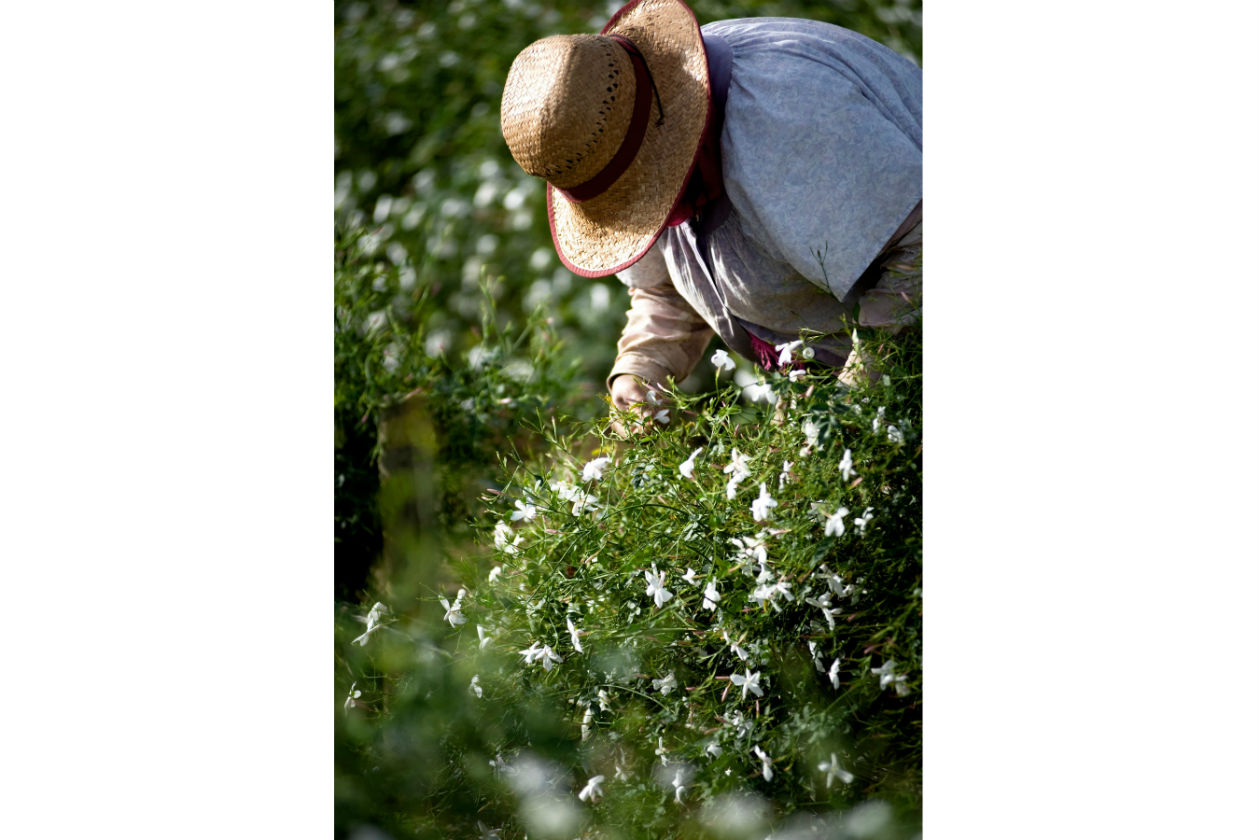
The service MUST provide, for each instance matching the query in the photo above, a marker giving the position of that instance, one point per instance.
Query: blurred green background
(435, 222)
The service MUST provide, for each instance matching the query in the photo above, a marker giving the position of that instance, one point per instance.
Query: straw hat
(613, 123)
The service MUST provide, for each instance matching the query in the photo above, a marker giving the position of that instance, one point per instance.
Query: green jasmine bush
(462, 408)
(709, 631)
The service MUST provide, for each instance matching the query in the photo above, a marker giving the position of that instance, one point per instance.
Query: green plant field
(544, 629)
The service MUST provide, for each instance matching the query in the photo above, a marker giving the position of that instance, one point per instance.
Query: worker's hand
(630, 394)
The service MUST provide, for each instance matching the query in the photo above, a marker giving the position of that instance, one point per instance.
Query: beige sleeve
(663, 336)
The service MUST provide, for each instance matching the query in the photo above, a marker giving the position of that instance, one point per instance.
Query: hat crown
(567, 104)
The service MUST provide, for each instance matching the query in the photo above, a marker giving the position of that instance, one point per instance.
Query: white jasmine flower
(711, 596)
(619, 774)
(582, 502)
(586, 722)
(748, 682)
(494, 573)
(563, 489)
(894, 434)
(661, 751)
(656, 587)
(862, 521)
(761, 392)
(735, 649)
(762, 504)
(846, 465)
(688, 467)
(373, 620)
(662, 417)
(690, 577)
(766, 771)
(785, 477)
(453, 615)
(794, 375)
(524, 511)
(837, 585)
(602, 697)
(811, 431)
(887, 677)
(544, 655)
(678, 786)
(548, 657)
(713, 749)
(823, 602)
(738, 467)
(482, 638)
(751, 549)
(833, 674)
(768, 592)
(785, 351)
(835, 771)
(722, 360)
(807, 352)
(353, 695)
(813, 654)
(835, 523)
(502, 535)
(666, 684)
(573, 635)
(475, 685)
(592, 791)
(594, 470)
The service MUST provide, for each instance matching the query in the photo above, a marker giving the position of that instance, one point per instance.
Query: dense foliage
(722, 620)
(469, 436)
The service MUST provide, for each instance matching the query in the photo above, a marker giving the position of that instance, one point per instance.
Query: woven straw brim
(608, 233)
